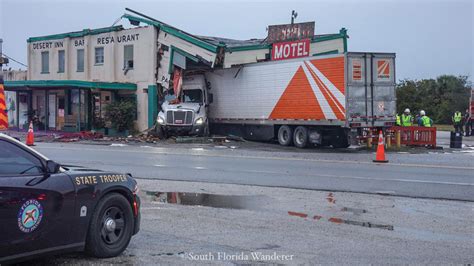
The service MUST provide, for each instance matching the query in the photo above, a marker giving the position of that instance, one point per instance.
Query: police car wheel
(111, 227)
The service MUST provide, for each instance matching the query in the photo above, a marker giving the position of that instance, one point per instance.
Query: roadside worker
(398, 123)
(407, 119)
(424, 120)
(468, 123)
(457, 121)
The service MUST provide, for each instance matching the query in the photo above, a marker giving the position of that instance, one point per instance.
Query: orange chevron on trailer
(298, 100)
(331, 69)
(315, 92)
(335, 105)
(383, 68)
(3, 107)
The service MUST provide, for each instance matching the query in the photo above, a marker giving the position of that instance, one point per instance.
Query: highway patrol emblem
(30, 215)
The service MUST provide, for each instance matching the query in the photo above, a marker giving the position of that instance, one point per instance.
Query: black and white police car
(46, 208)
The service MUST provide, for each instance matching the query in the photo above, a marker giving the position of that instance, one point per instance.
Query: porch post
(17, 109)
(46, 111)
(152, 105)
(79, 107)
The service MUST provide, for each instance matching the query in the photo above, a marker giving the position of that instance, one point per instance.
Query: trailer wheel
(300, 137)
(285, 135)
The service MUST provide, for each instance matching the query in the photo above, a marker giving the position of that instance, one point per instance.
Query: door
(35, 208)
(41, 110)
(370, 88)
(52, 107)
(24, 102)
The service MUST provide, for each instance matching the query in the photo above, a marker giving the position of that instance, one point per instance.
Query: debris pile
(76, 136)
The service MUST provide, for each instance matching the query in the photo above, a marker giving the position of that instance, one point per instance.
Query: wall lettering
(79, 42)
(47, 45)
(120, 39)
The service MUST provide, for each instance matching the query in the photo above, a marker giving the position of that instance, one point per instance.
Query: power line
(14, 60)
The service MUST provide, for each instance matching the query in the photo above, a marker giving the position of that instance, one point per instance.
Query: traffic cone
(30, 138)
(380, 156)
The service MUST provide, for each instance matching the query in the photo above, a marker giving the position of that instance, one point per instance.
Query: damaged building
(73, 76)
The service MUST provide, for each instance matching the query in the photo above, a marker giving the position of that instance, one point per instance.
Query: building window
(80, 60)
(128, 57)
(61, 61)
(45, 62)
(99, 55)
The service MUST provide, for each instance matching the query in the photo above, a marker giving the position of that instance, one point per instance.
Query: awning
(11, 84)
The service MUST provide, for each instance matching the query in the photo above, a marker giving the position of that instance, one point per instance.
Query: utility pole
(3, 60)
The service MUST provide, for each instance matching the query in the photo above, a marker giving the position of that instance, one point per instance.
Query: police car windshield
(192, 96)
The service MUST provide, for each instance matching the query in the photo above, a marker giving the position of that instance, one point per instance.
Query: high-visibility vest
(426, 121)
(398, 120)
(406, 120)
(457, 117)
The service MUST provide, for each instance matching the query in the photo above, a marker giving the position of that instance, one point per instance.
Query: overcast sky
(430, 38)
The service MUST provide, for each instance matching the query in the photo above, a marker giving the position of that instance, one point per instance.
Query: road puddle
(249, 202)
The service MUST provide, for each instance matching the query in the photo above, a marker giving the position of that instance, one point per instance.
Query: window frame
(95, 56)
(63, 52)
(43, 70)
(77, 60)
(124, 59)
(32, 155)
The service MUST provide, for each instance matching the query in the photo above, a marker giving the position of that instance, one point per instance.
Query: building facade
(72, 77)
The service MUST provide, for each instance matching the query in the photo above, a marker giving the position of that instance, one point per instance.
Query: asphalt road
(436, 174)
(231, 224)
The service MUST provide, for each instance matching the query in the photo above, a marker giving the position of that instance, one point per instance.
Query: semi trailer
(321, 100)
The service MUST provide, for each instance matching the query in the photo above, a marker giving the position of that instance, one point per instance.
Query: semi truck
(321, 100)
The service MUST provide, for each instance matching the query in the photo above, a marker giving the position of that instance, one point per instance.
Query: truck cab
(189, 115)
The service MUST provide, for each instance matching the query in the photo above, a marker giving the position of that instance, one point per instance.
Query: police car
(47, 208)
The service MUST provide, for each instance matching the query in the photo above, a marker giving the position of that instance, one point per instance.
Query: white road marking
(118, 145)
(160, 165)
(200, 168)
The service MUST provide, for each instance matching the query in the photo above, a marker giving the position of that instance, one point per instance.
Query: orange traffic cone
(30, 138)
(380, 156)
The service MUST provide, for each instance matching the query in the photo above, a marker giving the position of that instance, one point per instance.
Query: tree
(122, 114)
(440, 97)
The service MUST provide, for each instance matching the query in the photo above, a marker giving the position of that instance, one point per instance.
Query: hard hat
(407, 110)
(422, 112)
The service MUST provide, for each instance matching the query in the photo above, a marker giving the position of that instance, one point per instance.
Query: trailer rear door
(370, 92)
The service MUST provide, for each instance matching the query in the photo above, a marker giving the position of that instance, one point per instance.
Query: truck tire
(159, 132)
(111, 227)
(300, 137)
(285, 135)
(206, 131)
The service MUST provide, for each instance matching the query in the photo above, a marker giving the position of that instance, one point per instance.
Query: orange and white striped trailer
(323, 100)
